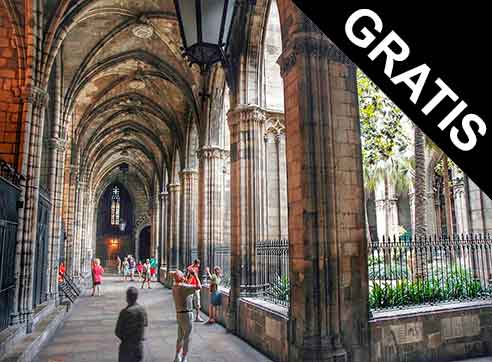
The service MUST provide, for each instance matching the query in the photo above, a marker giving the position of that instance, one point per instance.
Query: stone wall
(261, 324)
(433, 334)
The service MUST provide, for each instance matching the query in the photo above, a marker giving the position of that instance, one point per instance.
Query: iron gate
(41, 256)
(9, 196)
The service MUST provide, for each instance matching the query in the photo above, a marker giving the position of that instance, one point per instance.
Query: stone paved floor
(88, 333)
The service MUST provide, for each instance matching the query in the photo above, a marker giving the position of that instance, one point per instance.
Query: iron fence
(429, 270)
(8, 232)
(272, 267)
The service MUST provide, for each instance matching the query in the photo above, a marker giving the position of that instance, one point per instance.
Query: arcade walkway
(88, 333)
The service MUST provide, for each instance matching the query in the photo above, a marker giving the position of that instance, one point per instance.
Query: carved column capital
(309, 44)
(173, 187)
(211, 152)
(250, 114)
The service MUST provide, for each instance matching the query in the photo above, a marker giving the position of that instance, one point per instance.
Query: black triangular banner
(438, 74)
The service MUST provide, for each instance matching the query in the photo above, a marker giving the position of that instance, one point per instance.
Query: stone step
(482, 359)
(30, 345)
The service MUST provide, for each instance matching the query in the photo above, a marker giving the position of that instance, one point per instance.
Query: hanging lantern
(204, 26)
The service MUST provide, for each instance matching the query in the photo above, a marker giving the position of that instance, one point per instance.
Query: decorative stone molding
(246, 114)
(173, 187)
(309, 45)
(34, 95)
(163, 195)
(275, 126)
(211, 152)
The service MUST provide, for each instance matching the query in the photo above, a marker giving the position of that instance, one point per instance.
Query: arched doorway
(115, 208)
(144, 244)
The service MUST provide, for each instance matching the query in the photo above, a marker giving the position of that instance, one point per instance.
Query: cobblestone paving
(88, 333)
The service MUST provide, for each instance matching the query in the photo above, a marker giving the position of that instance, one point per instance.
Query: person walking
(97, 273)
(183, 300)
(130, 329)
(153, 268)
(118, 264)
(215, 298)
(146, 273)
(139, 269)
(132, 265)
(193, 279)
(126, 268)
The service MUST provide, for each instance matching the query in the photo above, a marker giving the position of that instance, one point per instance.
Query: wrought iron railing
(8, 232)
(272, 267)
(223, 260)
(9, 173)
(429, 270)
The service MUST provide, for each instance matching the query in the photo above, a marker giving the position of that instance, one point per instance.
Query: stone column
(210, 203)
(189, 216)
(34, 105)
(164, 235)
(248, 201)
(78, 245)
(328, 249)
(173, 226)
(69, 214)
(56, 176)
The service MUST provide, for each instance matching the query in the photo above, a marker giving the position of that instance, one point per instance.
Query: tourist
(146, 273)
(61, 272)
(183, 300)
(130, 327)
(139, 269)
(132, 265)
(153, 267)
(215, 299)
(126, 268)
(97, 273)
(193, 279)
(118, 264)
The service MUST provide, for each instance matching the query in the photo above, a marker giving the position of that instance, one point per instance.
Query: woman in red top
(61, 272)
(193, 271)
(97, 273)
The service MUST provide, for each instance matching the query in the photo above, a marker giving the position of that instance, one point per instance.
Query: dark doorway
(114, 225)
(144, 244)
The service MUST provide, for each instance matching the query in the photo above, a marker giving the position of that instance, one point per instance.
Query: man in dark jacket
(130, 328)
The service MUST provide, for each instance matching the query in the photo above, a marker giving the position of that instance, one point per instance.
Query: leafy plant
(279, 289)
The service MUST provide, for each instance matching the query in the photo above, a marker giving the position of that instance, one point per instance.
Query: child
(215, 299)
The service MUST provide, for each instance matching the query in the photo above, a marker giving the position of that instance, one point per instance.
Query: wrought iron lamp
(204, 27)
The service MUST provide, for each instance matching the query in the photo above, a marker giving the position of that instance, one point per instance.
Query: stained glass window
(115, 206)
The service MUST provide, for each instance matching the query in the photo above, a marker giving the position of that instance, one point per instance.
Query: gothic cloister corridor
(237, 133)
(88, 333)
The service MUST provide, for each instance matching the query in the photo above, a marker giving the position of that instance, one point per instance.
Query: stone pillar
(164, 235)
(69, 213)
(461, 208)
(386, 210)
(173, 226)
(248, 201)
(189, 216)
(56, 176)
(79, 233)
(328, 249)
(34, 101)
(210, 203)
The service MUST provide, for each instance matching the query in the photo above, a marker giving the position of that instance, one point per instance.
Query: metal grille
(429, 270)
(272, 266)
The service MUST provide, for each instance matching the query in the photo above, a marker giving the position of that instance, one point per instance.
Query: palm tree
(419, 184)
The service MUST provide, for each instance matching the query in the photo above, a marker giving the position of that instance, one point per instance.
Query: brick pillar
(248, 200)
(210, 203)
(328, 251)
(189, 217)
(56, 175)
(164, 235)
(173, 226)
(34, 105)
